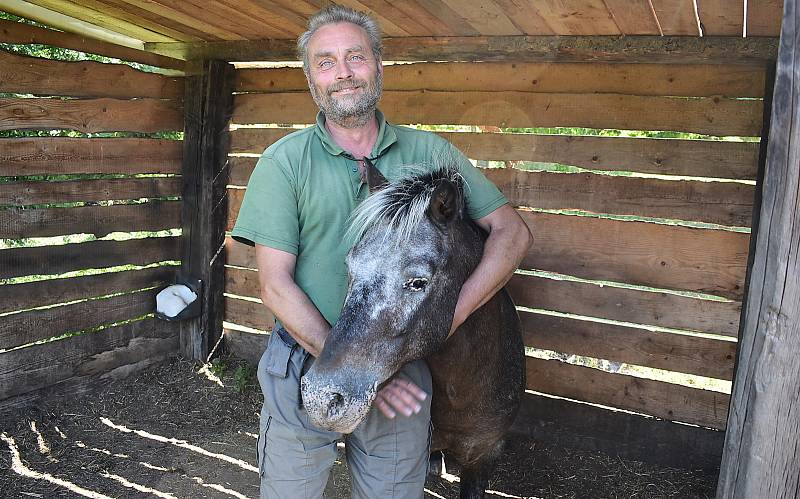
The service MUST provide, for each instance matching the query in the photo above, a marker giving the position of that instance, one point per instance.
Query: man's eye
(415, 284)
(326, 64)
(357, 58)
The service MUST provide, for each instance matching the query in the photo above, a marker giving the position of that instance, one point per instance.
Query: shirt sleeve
(269, 214)
(483, 197)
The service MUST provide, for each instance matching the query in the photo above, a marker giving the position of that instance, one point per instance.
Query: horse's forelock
(401, 207)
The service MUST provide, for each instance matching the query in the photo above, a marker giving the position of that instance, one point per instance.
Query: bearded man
(295, 210)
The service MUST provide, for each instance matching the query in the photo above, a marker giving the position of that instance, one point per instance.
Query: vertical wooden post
(208, 104)
(762, 443)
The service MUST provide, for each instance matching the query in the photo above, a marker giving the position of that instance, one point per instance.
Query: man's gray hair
(339, 14)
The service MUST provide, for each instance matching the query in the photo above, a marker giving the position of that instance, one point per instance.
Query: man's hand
(399, 395)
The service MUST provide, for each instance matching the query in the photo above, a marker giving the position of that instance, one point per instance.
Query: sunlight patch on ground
(135, 486)
(251, 435)
(20, 469)
(44, 447)
(219, 488)
(434, 494)
(206, 371)
(182, 444)
(82, 445)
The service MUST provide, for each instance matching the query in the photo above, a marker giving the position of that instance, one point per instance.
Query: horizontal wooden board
(655, 398)
(639, 253)
(564, 423)
(18, 223)
(42, 192)
(248, 313)
(32, 75)
(671, 352)
(245, 345)
(723, 203)
(241, 282)
(694, 158)
(64, 155)
(110, 354)
(626, 304)
(27, 327)
(91, 115)
(40, 293)
(59, 259)
(690, 80)
(22, 33)
(707, 115)
(646, 254)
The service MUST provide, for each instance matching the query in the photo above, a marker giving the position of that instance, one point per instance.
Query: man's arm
(287, 301)
(507, 244)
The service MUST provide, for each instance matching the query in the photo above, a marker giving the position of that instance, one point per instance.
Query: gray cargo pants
(388, 458)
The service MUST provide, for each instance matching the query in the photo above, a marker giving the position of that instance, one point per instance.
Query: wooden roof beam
(635, 49)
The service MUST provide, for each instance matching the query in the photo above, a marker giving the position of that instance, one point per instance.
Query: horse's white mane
(400, 207)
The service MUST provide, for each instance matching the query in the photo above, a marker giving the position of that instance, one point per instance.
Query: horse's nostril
(335, 405)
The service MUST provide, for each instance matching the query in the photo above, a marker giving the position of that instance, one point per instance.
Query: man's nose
(344, 71)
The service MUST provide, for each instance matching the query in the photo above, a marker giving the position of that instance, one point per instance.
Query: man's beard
(349, 111)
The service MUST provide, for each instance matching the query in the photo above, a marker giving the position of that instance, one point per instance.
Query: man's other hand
(399, 395)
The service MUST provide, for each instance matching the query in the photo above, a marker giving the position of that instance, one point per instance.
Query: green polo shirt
(304, 188)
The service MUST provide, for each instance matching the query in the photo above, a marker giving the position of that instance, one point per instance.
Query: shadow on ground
(174, 432)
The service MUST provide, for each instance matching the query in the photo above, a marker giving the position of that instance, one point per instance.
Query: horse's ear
(375, 179)
(444, 203)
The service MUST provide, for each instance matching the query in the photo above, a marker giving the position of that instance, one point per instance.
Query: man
(298, 200)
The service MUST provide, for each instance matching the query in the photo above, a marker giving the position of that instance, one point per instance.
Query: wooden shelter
(644, 286)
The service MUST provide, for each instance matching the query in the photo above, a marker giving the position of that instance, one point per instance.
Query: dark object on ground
(172, 430)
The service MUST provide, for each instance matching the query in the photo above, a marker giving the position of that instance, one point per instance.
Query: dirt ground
(172, 432)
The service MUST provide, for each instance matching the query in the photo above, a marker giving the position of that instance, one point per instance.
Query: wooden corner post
(763, 434)
(207, 109)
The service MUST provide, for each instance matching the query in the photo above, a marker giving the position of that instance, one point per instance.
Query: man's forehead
(352, 36)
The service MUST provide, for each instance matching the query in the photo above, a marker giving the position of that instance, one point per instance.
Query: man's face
(344, 76)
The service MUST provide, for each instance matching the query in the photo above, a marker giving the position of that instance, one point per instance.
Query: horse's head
(416, 248)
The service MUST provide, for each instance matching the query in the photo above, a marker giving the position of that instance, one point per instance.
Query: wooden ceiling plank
(230, 18)
(764, 17)
(180, 16)
(14, 32)
(296, 18)
(102, 19)
(633, 17)
(399, 16)
(635, 49)
(388, 26)
(576, 17)
(271, 18)
(445, 14)
(526, 19)
(721, 17)
(484, 16)
(132, 13)
(676, 17)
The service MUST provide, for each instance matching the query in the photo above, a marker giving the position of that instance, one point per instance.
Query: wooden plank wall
(622, 265)
(62, 331)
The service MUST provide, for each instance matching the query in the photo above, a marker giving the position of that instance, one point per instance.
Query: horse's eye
(415, 284)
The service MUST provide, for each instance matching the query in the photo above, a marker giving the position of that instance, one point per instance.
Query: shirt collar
(386, 136)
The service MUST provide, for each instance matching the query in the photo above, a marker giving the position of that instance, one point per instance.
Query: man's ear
(444, 203)
(375, 179)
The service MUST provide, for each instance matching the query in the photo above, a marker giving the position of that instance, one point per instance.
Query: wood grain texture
(40, 293)
(485, 16)
(65, 155)
(123, 11)
(27, 327)
(676, 17)
(14, 32)
(633, 17)
(177, 19)
(760, 454)
(626, 305)
(633, 49)
(688, 80)
(113, 353)
(764, 17)
(32, 75)
(91, 115)
(242, 282)
(41, 192)
(692, 158)
(671, 352)
(721, 17)
(655, 398)
(723, 203)
(17, 223)
(576, 17)
(712, 116)
(18, 262)
(247, 313)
